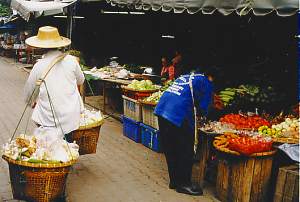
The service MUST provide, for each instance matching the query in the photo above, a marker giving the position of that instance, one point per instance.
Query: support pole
(70, 12)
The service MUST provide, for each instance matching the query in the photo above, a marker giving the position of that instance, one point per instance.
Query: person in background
(176, 109)
(58, 102)
(178, 57)
(165, 70)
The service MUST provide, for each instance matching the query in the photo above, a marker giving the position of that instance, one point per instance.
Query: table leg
(104, 97)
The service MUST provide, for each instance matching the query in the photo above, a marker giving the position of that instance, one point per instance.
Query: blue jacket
(176, 104)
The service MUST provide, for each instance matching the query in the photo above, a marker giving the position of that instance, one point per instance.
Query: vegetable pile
(243, 121)
(154, 98)
(89, 117)
(142, 85)
(249, 145)
(38, 149)
(248, 97)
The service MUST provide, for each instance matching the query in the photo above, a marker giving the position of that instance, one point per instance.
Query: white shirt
(61, 83)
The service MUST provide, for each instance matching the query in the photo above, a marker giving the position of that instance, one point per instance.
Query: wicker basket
(86, 137)
(37, 181)
(137, 94)
(225, 149)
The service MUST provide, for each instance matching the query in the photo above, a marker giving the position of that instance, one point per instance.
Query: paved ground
(121, 171)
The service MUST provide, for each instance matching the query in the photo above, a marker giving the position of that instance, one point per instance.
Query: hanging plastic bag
(292, 150)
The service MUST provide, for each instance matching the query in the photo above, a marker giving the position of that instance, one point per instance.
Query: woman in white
(60, 85)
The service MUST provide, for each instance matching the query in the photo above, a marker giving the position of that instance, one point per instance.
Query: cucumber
(227, 93)
(226, 97)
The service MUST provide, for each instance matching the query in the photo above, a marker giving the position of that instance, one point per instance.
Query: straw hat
(48, 37)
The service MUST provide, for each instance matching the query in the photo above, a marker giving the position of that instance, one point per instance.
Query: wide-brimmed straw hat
(48, 37)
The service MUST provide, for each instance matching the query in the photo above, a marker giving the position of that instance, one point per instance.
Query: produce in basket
(89, 117)
(241, 121)
(142, 85)
(42, 148)
(288, 128)
(242, 144)
(154, 98)
(249, 145)
(267, 131)
(166, 85)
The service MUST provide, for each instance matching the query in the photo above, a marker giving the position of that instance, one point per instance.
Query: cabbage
(142, 85)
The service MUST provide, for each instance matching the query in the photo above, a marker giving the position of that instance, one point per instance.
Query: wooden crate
(243, 178)
(132, 108)
(148, 116)
(287, 186)
(205, 151)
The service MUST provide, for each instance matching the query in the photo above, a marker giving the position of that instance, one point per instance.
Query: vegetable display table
(243, 178)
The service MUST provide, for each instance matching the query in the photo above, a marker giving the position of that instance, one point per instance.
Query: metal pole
(70, 21)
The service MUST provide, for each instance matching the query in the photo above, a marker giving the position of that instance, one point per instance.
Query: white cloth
(61, 83)
(26, 8)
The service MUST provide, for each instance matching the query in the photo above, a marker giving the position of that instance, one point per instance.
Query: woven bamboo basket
(38, 182)
(86, 137)
(225, 149)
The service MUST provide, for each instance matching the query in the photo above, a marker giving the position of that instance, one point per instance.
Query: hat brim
(35, 42)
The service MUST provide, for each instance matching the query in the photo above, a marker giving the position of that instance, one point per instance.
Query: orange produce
(244, 122)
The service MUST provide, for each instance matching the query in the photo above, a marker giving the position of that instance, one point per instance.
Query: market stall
(258, 116)
(110, 79)
(244, 144)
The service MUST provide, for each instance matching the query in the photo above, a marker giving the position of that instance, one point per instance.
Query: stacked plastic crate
(132, 118)
(149, 127)
(139, 122)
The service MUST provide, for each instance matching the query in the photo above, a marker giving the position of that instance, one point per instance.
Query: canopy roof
(226, 7)
(25, 8)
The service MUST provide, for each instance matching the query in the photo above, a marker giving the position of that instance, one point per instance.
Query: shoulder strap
(195, 113)
(50, 66)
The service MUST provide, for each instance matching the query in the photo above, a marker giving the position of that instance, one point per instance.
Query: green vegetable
(142, 85)
(42, 161)
(154, 98)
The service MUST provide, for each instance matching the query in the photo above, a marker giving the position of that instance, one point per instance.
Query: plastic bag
(292, 150)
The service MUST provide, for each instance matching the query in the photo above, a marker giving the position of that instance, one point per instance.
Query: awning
(226, 7)
(25, 8)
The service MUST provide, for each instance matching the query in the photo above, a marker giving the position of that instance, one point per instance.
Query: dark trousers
(177, 144)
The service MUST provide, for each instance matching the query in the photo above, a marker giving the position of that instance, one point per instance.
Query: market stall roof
(258, 7)
(25, 8)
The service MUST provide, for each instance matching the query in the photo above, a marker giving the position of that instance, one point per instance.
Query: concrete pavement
(120, 171)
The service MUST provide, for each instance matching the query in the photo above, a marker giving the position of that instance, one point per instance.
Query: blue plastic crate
(131, 129)
(150, 137)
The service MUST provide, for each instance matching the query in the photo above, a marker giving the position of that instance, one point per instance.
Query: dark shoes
(172, 186)
(190, 190)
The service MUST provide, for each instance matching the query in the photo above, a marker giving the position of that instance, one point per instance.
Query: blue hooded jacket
(176, 104)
